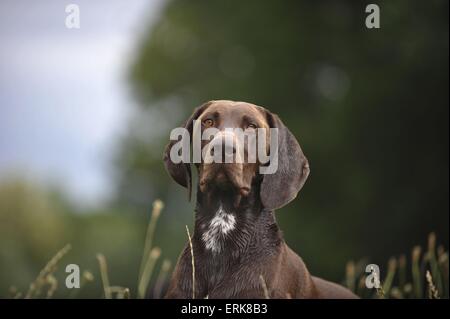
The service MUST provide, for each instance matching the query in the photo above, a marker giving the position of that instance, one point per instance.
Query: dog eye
(251, 126)
(208, 122)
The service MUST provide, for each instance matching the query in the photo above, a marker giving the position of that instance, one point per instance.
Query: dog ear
(281, 187)
(181, 172)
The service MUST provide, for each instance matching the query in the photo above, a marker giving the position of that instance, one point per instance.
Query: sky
(64, 97)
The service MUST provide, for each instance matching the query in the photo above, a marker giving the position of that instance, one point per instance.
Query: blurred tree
(370, 108)
(36, 222)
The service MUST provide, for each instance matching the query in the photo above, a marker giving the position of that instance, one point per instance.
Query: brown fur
(254, 254)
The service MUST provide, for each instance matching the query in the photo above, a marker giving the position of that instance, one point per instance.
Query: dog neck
(231, 226)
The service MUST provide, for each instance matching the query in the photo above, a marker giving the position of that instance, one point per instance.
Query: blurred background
(85, 114)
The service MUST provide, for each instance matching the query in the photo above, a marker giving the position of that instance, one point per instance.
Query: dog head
(219, 123)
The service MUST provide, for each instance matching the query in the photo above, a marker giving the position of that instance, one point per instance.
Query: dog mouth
(223, 177)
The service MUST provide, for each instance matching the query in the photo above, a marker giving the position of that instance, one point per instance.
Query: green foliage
(369, 107)
(34, 224)
(426, 276)
(421, 276)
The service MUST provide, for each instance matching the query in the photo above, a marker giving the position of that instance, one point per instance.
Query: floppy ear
(281, 187)
(181, 172)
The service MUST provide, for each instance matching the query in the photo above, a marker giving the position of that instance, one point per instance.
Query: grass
(45, 279)
(264, 286)
(162, 278)
(192, 261)
(104, 273)
(423, 275)
(150, 255)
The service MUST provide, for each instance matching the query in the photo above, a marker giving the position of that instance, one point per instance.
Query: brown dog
(238, 248)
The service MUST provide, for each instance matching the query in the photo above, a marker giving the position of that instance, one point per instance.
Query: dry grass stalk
(164, 270)
(264, 287)
(443, 266)
(432, 291)
(104, 274)
(126, 293)
(434, 265)
(402, 264)
(158, 205)
(155, 253)
(120, 292)
(50, 267)
(193, 262)
(380, 291)
(392, 266)
(416, 278)
(53, 283)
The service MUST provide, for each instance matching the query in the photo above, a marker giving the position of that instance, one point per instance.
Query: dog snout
(223, 147)
(226, 144)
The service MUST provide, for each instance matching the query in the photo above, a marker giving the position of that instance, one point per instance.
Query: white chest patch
(221, 224)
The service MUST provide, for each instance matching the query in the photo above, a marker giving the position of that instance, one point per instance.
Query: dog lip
(244, 190)
(222, 180)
